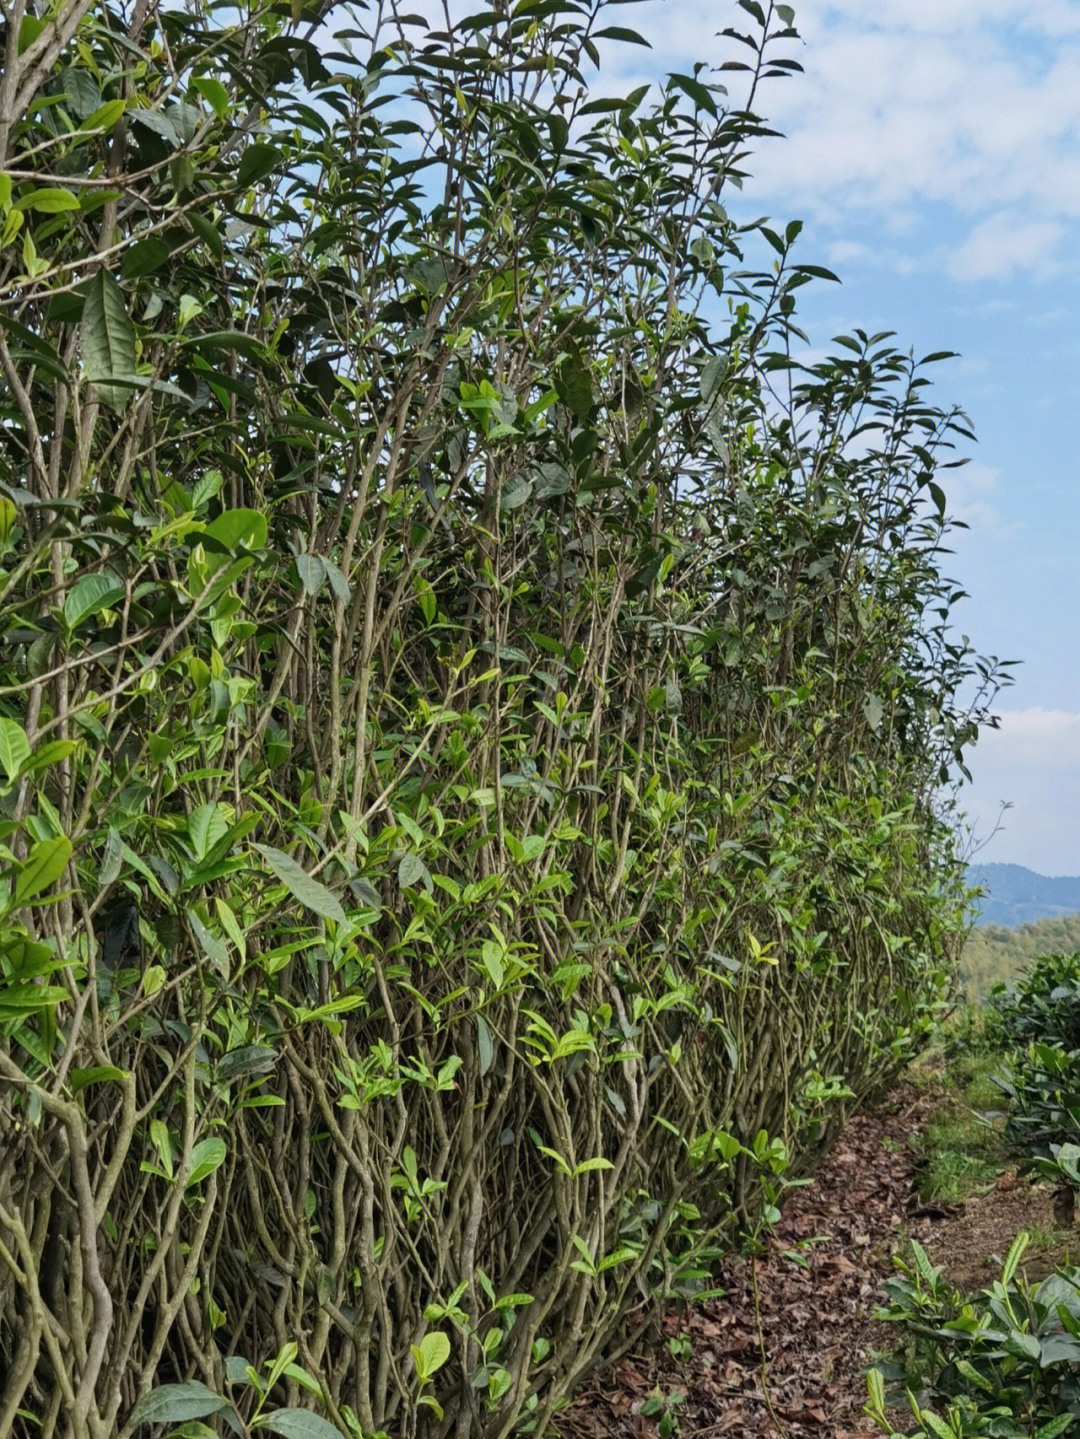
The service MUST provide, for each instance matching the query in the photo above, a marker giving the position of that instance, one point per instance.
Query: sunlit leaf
(90, 594)
(213, 92)
(48, 201)
(44, 865)
(206, 1156)
(14, 747)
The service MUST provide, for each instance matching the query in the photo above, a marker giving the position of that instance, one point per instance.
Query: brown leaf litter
(819, 1283)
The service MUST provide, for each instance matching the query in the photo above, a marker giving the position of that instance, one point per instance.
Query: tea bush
(472, 741)
(1039, 1015)
(1042, 1085)
(1043, 1004)
(1006, 1363)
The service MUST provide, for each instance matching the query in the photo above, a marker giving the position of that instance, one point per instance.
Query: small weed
(975, 1080)
(1046, 1236)
(667, 1407)
(928, 1073)
(798, 1254)
(898, 1243)
(973, 1029)
(963, 1131)
(1053, 1236)
(681, 1347)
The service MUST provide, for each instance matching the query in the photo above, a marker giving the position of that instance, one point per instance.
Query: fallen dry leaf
(819, 1282)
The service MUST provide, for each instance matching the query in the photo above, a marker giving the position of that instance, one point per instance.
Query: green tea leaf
(208, 233)
(412, 871)
(210, 944)
(49, 201)
(206, 1156)
(312, 573)
(19, 1000)
(14, 747)
(430, 1355)
(239, 528)
(152, 980)
(297, 1424)
(44, 864)
(100, 1074)
(90, 594)
(213, 92)
(230, 925)
(108, 339)
(1015, 1254)
(105, 117)
(311, 894)
(1055, 1427)
(587, 1166)
(252, 1059)
(485, 1048)
(52, 752)
(206, 825)
(256, 163)
(81, 91)
(173, 1403)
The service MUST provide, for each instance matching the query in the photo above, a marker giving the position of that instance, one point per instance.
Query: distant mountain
(1015, 895)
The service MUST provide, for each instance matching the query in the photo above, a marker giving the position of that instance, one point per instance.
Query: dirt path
(817, 1314)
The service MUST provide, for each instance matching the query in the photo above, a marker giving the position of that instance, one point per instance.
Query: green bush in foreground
(1004, 1364)
(470, 740)
(1042, 1085)
(1039, 1014)
(1007, 1362)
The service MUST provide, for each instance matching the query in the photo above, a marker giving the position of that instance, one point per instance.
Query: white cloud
(973, 105)
(970, 492)
(846, 252)
(949, 16)
(1053, 318)
(1004, 243)
(1033, 738)
(1032, 763)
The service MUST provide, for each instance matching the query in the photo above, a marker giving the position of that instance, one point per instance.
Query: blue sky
(933, 151)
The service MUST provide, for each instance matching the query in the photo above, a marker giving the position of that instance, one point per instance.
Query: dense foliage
(1004, 1363)
(1042, 1003)
(1037, 1018)
(471, 726)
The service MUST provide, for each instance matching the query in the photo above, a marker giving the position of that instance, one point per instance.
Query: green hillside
(995, 952)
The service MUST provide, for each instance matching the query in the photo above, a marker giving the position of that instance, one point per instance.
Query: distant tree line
(995, 952)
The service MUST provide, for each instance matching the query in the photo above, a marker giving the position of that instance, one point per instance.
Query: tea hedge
(474, 711)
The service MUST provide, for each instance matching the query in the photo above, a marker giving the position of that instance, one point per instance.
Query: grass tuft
(963, 1144)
